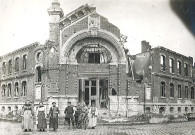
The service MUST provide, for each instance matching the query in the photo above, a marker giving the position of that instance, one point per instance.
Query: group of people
(73, 115)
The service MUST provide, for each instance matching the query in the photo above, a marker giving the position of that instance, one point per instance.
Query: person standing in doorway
(93, 113)
(27, 123)
(69, 113)
(41, 115)
(53, 116)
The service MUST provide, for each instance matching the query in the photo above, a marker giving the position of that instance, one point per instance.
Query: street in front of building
(183, 128)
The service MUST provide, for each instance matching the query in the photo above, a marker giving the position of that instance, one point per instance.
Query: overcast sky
(26, 21)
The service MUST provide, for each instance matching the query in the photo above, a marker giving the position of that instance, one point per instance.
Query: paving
(183, 128)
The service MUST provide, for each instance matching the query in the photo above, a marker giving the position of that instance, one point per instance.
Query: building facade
(84, 60)
(168, 80)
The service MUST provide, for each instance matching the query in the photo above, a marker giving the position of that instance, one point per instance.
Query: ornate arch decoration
(65, 49)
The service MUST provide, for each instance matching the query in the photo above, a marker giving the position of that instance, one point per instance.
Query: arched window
(24, 66)
(186, 69)
(162, 62)
(162, 89)
(39, 74)
(179, 91)
(9, 90)
(171, 90)
(16, 90)
(94, 53)
(179, 67)
(3, 90)
(171, 110)
(161, 110)
(186, 91)
(171, 65)
(4, 68)
(192, 92)
(114, 92)
(10, 67)
(80, 13)
(17, 64)
(147, 109)
(24, 89)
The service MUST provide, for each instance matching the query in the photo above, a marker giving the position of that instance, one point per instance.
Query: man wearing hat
(69, 113)
(53, 116)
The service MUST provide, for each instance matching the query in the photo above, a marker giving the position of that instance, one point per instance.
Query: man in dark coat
(69, 113)
(53, 116)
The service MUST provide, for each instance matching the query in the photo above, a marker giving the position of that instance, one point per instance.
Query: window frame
(163, 63)
(163, 89)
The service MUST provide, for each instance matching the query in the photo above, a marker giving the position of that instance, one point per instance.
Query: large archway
(67, 49)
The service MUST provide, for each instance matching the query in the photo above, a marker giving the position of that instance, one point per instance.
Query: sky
(23, 22)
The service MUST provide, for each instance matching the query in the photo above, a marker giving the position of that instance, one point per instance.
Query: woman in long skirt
(93, 112)
(27, 123)
(41, 114)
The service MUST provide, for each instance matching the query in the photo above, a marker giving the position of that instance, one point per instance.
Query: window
(162, 88)
(179, 109)
(24, 62)
(4, 90)
(17, 64)
(9, 90)
(179, 67)
(114, 93)
(10, 66)
(38, 74)
(4, 68)
(93, 87)
(16, 90)
(171, 65)
(162, 62)
(186, 91)
(186, 69)
(94, 58)
(192, 93)
(179, 91)
(171, 110)
(171, 90)
(24, 90)
(192, 109)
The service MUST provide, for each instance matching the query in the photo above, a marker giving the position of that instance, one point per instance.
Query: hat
(53, 103)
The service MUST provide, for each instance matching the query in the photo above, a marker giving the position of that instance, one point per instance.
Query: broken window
(162, 62)
(192, 93)
(39, 74)
(162, 88)
(171, 65)
(16, 89)
(94, 58)
(171, 110)
(24, 89)
(4, 90)
(171, 90)
(4, 68)
(24, 66)
(17, 64)
(186, 91)
(114, 93)
(10, 66)
(186, 69)
(179, 67)
(93, 53)
(9, 90)
(179, 91)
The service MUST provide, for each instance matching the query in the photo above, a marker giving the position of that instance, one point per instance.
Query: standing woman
(93, 112)
(41, 114)
(53, 116)
(27, 116)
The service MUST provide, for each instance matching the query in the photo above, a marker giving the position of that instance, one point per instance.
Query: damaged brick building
(167, 77)
(84, 60)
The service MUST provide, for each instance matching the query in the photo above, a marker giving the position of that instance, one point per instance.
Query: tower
(55, 13)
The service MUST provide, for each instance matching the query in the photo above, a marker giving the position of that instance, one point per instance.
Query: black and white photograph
(97, 67)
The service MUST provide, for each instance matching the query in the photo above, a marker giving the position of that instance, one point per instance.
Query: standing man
(69, 113)
(93, 112)
(53, 116)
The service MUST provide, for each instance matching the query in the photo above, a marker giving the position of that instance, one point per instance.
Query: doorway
(94, 91)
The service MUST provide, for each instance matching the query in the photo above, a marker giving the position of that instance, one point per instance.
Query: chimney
(145, 46)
